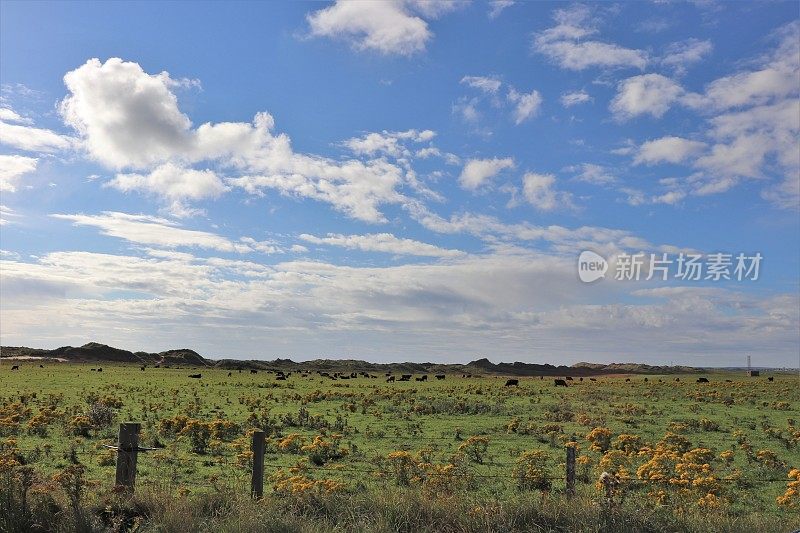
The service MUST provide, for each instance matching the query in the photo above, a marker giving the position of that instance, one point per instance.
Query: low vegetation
(456, 454)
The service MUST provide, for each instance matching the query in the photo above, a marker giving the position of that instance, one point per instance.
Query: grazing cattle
(581, 379)
(660, 381)
(354, 375)
(253, 371)
(405, 377)
(16, 367)
(560, 383)
(541, 378)
(440, 376)
(592, 379)
(195, 376)
(512, 383)
(645, 380)
(677, 379)
(99, 369)
(702, 380)
(423, 378)
(280, 377)
(41, 366)
(230, 374)
(627, 379)
(568, 378)
(390, 379)
(142, 369)
(770, 379)
(728, 381)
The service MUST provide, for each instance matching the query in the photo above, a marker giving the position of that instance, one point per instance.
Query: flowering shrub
(301, 488)
(791, 498)
(198, 433)
(224, 430)
(320, 451)
(79, 426)
(172, 426)
(38, 424)
(629, 444)
(292, 443)
(600, 439)
(475, 448)
(531, 473)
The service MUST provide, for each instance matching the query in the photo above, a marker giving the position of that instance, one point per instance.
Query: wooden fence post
(257, 483)
(127, 453)
(570, 469)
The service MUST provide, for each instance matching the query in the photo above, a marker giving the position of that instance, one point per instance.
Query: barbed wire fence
(127, 454)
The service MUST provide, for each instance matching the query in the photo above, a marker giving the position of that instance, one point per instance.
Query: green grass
(376, 418)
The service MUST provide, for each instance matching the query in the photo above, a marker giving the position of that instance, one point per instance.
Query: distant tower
(750, 371)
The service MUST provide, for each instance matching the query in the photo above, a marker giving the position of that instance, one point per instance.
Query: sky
(403, 180)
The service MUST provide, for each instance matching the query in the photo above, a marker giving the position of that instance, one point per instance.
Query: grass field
(676, 447)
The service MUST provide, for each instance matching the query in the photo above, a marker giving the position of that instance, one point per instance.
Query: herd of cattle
(390, 378)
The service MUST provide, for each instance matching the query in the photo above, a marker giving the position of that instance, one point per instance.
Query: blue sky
(399, 180)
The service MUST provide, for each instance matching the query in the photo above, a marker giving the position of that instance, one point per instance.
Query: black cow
(142, 368)
(15, 367)
(592, 379)
(253, 371)
(702, 380)
(677, 379)
(41, 366)
(560, 383)
(230, 374)
(440, 376)
(581, 379)
(423, 378)
(280, 377)
(512, 383)
(645, 380)
(770, 379)
(405, 377)
(195, 376)
(390, 379)
(99, 369)
(627, 379)
(568, 378)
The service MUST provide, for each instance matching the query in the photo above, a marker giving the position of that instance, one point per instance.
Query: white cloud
(525, 105)
(651, 94)
(564, 44)
(681, 55)
(12, 168)
(32, 139)
(128, 118)
(668, 150)
(173, 183)
(575, 98)
(498, 6)
(487, 84)
(477, 171)
(594, 174)
(388, 142)
(7, 214)
(540, 192)
(9, 115)
(149, 230)
(388, 27)
(382, 242)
